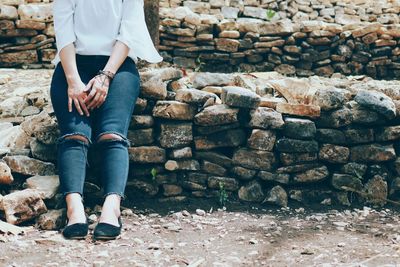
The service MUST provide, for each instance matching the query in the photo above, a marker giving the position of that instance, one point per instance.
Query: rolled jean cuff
(122, 195)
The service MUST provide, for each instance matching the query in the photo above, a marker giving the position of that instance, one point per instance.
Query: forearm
(118, 55)
(68, 61)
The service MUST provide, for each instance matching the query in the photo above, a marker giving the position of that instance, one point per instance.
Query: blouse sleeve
(63, 13)
(134, 32)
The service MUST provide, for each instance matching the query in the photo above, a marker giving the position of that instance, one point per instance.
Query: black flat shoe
(76, 231)
(106, 231)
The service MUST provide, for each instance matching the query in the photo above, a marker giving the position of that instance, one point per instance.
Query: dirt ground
(204, 235)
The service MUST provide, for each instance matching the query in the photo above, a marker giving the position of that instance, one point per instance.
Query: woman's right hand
(76, 95)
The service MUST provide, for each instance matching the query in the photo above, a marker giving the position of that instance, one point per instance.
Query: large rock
(312, 175)
(5, 174)
(171, 190)
(140, 137)
(175, 135)
(14, 138)
(12, 106)
(21, 206)
(346, 182)
(282, 178)
(332, 136)
(8, 12)
(330, 98)
(299, 128)
(378, 102)
(216, 115)
(47, 185)
(277, 196)
(355, 169)
(174, 110)
(141, 121)
(294, 158)
(51, 220)
(251, 192)
(212, 168)
(335, 119)
(180, 153)
(390, 133)
(154, 88)
(229, 184)
(357, 136)
(266, 118)
(333, 153)
(214, 157)
(147, 154)
(295, 146)
(239, 97)
(230, 138)
(205, 130)
(36, 12)
(186, 164)
(243, 173)
(262, 139)
(377, 190)
(194, 96)
(145, 187)
(42, 151)
(254, 159)
(29, 166)
(203, 79)
(372, 153)
(363, 115)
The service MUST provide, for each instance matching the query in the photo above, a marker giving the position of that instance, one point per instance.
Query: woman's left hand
(98, 87)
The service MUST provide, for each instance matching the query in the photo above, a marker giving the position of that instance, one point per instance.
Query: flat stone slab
(239, 97)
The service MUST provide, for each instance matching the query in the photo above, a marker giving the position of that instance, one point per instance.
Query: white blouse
(95, 25)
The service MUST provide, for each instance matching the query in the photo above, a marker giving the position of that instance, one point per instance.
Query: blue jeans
(112, 117)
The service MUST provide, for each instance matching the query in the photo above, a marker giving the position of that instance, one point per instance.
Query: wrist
(110, 75)
(73, 79)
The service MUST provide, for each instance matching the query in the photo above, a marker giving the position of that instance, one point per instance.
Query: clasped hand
(90, 96)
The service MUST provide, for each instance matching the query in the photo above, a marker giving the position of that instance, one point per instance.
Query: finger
(78, 107)
(101, 101)
(90, 96)
(69, 104)
(83, 106)
(94, 101)
(89, 85)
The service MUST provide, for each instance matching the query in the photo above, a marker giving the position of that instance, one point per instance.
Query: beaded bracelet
(109, 74)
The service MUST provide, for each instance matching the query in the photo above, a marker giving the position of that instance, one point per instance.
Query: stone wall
(27, 33)
(258, 137)
(302, 37)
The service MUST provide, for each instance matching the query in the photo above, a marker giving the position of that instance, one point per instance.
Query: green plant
(223, 196)
(200, 64)
(270, 14)
(153, 173)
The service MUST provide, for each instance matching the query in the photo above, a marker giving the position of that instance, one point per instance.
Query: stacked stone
(301, 37)
(227, 132)
(219, 135)
(304, 37)
(27, 33)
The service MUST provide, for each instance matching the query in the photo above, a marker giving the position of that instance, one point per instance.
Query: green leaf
(153, 172)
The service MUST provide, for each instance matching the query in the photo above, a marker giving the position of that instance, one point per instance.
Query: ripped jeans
(112, 117)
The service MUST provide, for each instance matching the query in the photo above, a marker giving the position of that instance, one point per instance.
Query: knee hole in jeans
(109, 137)
(77, 137)
(112, 138)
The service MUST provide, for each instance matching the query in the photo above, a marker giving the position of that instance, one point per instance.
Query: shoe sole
(75, 237)
(104, 237)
